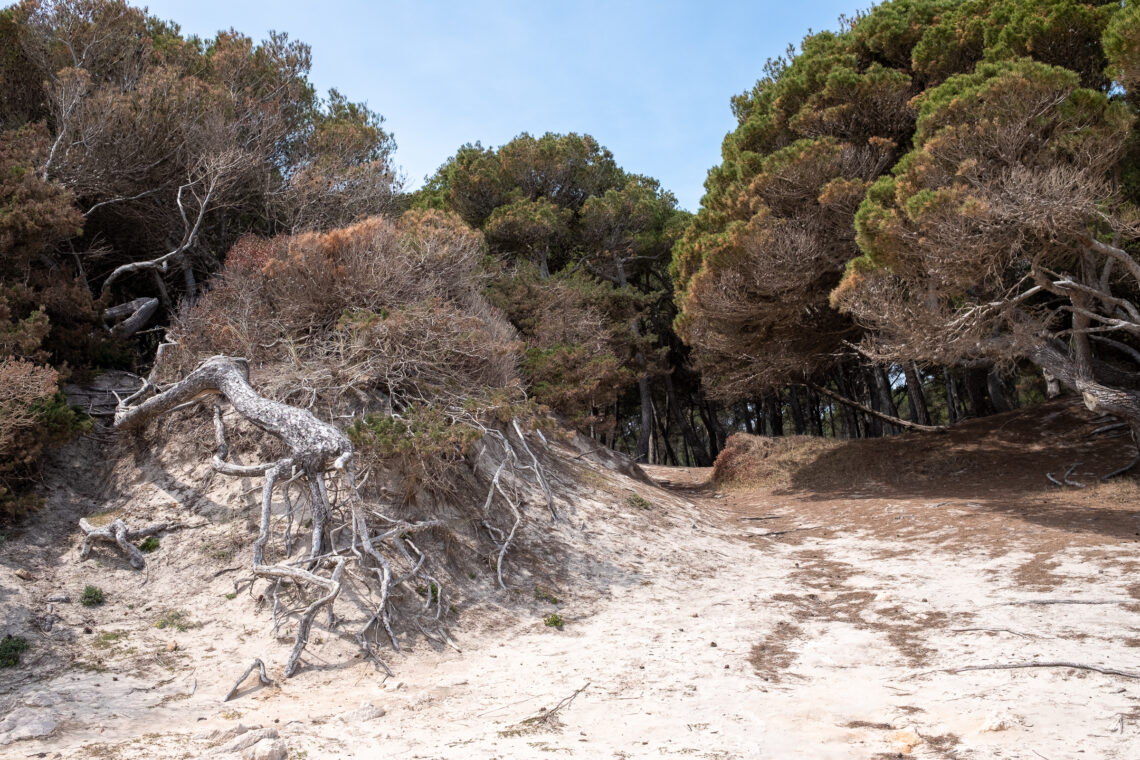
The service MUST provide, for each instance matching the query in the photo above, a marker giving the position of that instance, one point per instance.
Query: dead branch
(260, 674)
(549, 718)
(908, 425)
(135, 314)
(118, 533)
(1074, 665)
(996, 630)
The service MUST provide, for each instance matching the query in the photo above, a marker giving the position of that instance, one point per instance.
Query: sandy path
(705, 637)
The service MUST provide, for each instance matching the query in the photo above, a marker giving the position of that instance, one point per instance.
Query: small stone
(1000, 721)
(712, 644)
(366, 711)
(172, 646)
(23, 574)
(59, 599)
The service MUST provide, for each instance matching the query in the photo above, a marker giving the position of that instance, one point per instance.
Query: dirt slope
(821, 613)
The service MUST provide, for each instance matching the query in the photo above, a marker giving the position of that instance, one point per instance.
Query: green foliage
(417, 433)
(92, 596)
(11, 647)
(915, 101)
(553, 620)
(149, 544)
(174, 619)
(637, 501)
(579, 263)
(544, 595)
(34, 416)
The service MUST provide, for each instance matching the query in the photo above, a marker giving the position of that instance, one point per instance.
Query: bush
(384, 322)
(33, 417)
(92, 596)
(10, 649)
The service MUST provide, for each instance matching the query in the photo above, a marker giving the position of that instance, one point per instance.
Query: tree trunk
(919, 412)
(997, 393)
(646, 430)
(775, 413)
(886, 398)
(975, 382)
(952, 415)
(698, 454)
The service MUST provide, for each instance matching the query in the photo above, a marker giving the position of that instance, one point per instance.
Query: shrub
(10, 649)
(33, 416)
(383, 322)
(92, 596)
(149, 544)
(553, 620)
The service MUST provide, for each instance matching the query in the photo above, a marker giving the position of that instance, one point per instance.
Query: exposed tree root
(1075, 665)
(1126, 468)
(345, 530)
(1065, 481)
(118, 533)
(260, 674)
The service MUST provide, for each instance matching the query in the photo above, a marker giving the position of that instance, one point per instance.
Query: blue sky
(650, 80)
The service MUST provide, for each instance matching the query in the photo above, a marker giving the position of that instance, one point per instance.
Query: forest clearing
(305, 457)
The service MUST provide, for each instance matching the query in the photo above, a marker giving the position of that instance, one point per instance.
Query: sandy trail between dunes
(740, 625)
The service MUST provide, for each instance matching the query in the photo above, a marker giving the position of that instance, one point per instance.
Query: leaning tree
(989, 221)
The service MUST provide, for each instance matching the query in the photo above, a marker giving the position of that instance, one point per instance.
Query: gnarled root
(321, 456)
(118, 533)
(260, 674)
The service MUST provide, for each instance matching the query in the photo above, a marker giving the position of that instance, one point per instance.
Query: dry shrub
(381, 321)
(752, 460)
(33, 415)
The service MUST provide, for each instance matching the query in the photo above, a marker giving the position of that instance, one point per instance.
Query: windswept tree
(582, 251)
(919, 110)
(132, 158)
(1006, 234)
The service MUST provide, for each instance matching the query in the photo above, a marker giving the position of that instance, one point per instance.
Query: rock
(366, 711)
(1000, 721)
(59, 599)
(905, 740)
(23, 723)
(44, 699)
(172, 646)
(267, 749)
(248, 739)
(23, 574)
